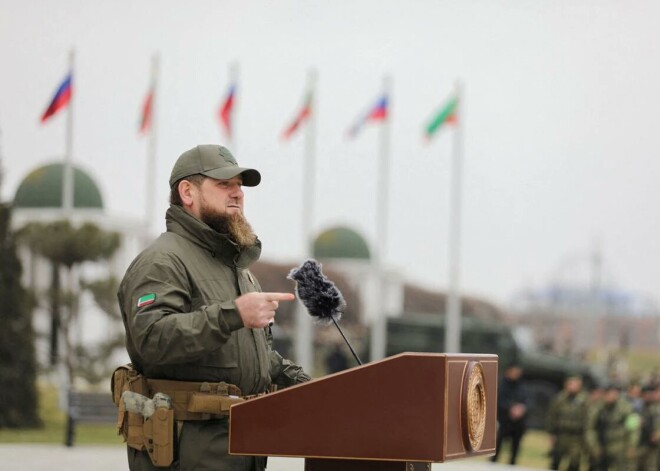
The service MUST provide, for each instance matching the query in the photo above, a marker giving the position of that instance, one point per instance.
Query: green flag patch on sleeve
(146, 300)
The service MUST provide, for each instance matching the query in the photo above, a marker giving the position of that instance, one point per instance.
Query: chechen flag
(226, 110)
(447, 114)
(147, 112)
(303, 115)
(378, 112)
(61, 99)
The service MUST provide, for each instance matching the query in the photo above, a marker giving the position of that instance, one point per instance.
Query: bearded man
(197, 324)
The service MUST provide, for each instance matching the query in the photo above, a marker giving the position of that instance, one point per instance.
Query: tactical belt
(197, 400)
(186, 400)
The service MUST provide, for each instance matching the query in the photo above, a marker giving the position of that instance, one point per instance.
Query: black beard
(234, 226)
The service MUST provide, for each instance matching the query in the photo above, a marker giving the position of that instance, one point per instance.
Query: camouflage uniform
(649, 440)
(567, 422)
(613, 435)
(594, 403)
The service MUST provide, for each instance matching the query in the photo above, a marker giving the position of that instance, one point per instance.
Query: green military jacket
(568, 415)
(650, 426)
(612, 430)
(177, 304)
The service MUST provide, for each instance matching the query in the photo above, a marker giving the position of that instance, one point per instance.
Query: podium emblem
(473, 406)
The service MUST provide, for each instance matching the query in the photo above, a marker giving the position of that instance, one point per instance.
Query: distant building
(381, 288)
(576, 319)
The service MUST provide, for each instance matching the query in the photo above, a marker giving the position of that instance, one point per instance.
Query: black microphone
(320, 296)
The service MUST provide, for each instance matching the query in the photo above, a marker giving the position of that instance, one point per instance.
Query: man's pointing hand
(258, 309)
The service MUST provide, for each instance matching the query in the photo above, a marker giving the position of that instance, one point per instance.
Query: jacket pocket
(227, 355)
(224, 357)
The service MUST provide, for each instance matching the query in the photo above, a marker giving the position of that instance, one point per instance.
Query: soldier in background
(648, 458)
(567, 424)
(594, 403)
(654, 379)
(512, 403)
(613, 434)
(634, 396)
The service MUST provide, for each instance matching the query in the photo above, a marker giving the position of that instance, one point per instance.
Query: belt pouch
(211, 403)
(129, 424)
(159, 437)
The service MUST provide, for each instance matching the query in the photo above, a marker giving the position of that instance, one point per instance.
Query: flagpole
(378, 330)
(233, 82)
(67, 177)
(384, 176)
(453, 304)
(304, 343)
(150, 200)
(1, 168)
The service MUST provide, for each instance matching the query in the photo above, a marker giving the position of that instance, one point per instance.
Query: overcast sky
(561, 123)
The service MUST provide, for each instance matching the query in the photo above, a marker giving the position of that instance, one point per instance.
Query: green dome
(341, 242)
(42, 188)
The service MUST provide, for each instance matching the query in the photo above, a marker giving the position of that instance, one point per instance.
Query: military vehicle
(543, 373)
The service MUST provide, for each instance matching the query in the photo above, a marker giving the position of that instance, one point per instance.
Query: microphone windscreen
(318, 294)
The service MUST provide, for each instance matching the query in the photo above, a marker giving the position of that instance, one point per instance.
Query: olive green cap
(213, 161)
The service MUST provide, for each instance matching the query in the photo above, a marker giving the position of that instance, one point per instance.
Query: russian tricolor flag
(61, 99)
(225, 112)
(378, 112)
(303, 115)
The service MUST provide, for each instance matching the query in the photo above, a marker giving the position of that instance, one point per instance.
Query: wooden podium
(400, 413)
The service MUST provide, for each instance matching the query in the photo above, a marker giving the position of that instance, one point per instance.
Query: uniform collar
(219, 245)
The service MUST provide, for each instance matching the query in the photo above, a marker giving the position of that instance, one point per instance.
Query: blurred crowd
(608, 428)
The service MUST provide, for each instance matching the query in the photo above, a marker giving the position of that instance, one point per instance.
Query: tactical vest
(611, 424)
(571, 414)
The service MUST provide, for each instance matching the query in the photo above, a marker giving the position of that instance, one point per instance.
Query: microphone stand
(357, 358)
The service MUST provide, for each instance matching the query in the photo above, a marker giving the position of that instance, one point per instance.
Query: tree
(66, 248)
(93, 360)
(18, 368)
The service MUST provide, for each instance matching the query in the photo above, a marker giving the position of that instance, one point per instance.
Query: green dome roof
(341, 242)
(42, 188)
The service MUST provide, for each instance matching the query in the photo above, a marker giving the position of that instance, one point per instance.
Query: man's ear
(186, 192)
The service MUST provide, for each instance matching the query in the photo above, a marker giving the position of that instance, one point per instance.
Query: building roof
(341, 242)
(42, 188)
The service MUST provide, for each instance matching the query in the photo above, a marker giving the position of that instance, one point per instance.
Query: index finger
(280, 296)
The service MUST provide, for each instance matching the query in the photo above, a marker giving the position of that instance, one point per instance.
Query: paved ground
(112, 458)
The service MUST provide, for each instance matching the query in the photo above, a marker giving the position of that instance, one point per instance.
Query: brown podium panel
(412, 407)
(322, 464)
